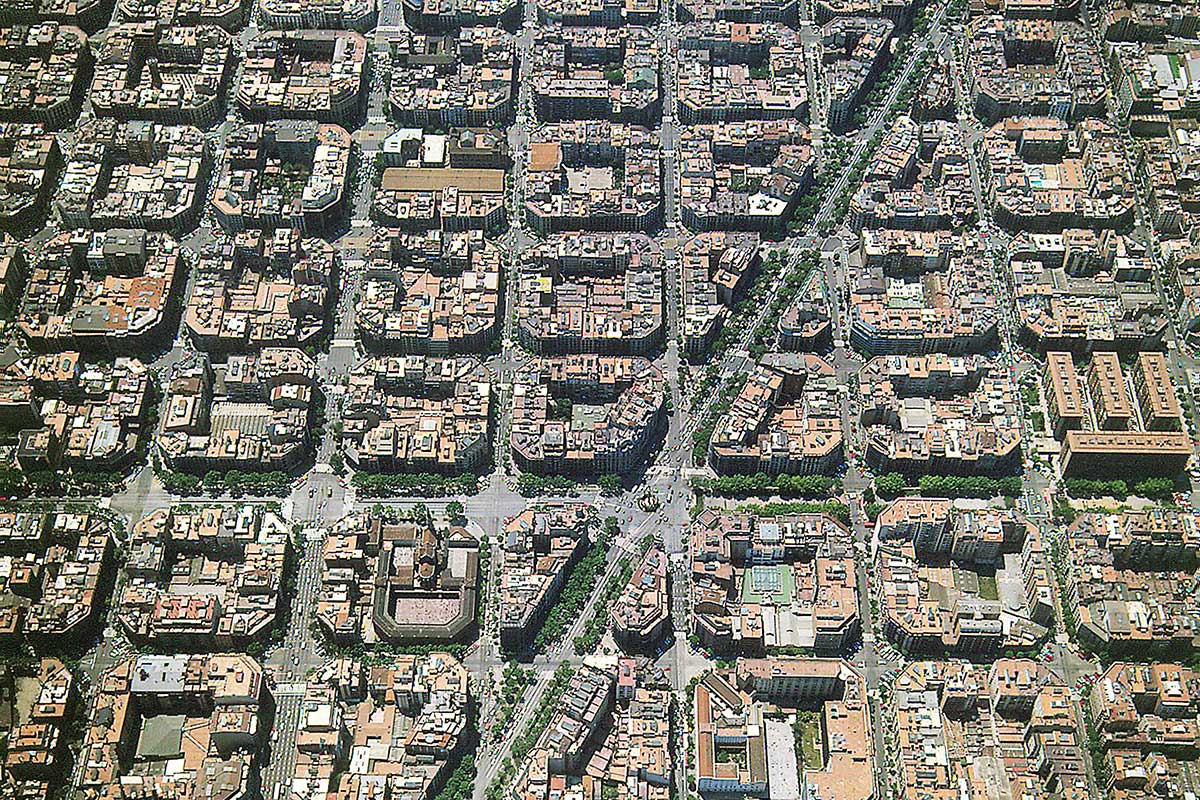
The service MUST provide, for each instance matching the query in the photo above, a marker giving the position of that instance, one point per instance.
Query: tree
(1087, 487)
(456, 512)
(1155, 488)
(968, 486)
(610, 485)
(420, 514)
(889, 485)
(530, 485)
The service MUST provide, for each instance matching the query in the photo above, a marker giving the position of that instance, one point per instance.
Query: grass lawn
(808, 739)
(987, 587)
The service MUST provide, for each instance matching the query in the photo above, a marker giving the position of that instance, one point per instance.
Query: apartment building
(289, 174)
(784, 11)
(106, 292)
(641, 616)
(939, 414)
(87, 14)
(34, 762)
(785, 419)
(744, 175)
(962, 580)
(227, 14)
(717, 269)
(56, 570)
(30, 162)
(199, 579)
(462, 78)
(430, 293)
(44, 72)
(594, 175)
(1127, 579)
(610, 13)
(612, 719)
(918, 180)
(541, 546)
(1145, 718)
(596, 73)
(260, 290)
(1047, 175)
(735, 71)
(922, 293)
(400, 726)
(134, 174)
(303, 74)
(592, 294)
(14, 271)
(806, 324)
(1083, 291)
(175, 74)
(439, 16)
(943, 529)
(70, 413)
(935, 99)
(744, 751)
(1020, 67)
(250, 413)
(854, 51)
(1131, 21)
(587, 414)
(354, 15)
(202, 714)
(1017, 702)
(764, 583)
(1168, 170)
(900, 12)
(418, 413)
(1114, 423)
